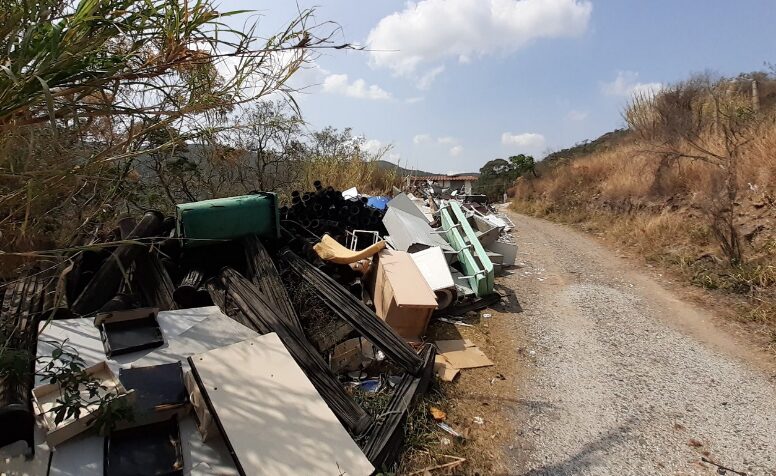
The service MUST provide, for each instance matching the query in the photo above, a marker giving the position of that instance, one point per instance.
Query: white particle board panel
(81, 334)
(273, 419)
(186, 332)
(433, 266)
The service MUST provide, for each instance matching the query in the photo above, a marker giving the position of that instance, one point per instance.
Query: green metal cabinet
(201, 223)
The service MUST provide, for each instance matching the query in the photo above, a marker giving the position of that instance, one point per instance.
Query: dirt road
(622, 376)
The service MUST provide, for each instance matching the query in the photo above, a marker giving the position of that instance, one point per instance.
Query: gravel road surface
(623, 377)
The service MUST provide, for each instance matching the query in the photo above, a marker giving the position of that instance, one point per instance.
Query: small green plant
(80, 392)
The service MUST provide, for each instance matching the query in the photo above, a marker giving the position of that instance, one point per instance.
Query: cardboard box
(401, 295)
(44, 399)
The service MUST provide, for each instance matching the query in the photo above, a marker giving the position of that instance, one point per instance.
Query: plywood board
(462, 354)
(272, 418)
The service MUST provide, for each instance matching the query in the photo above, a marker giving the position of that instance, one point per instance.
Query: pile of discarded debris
(239, 336)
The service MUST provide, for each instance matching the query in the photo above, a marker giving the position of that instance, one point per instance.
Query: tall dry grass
(659, 208)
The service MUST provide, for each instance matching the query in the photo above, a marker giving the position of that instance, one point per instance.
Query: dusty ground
(618, 375)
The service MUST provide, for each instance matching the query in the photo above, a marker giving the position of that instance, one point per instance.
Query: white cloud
(574, 115)
(424, 82)
(372, 146)
(447, 140)
(415, 41)
(339, 84)
(455, 151)
(627, 84)
(528, 140)
(414, 99)
(421, 139)
(394, 157)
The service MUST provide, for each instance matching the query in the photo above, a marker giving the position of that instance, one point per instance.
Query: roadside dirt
(619, 375)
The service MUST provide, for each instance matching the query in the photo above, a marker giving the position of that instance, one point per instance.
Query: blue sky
(456, 83)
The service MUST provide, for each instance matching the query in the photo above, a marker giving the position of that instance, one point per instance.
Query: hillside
(689, 189)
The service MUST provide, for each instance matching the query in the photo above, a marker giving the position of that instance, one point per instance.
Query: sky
(452, 84)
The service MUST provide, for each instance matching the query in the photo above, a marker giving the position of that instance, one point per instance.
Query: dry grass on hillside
(662, 209)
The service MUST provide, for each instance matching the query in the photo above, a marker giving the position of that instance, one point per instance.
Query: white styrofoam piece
(186, 332)
(350, 193)
(274, 418)
(434, 267)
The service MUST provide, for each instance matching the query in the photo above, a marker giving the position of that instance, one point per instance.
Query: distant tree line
(498, 175)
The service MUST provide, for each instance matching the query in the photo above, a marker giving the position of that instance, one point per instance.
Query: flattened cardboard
(443, 369)
(462, 354)
(272, 418)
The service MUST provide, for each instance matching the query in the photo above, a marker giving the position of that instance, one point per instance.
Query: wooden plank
(271, 416)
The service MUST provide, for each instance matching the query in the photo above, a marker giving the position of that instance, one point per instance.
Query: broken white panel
(434, 268)
(410, 233)
(350, 193)
(507, 250)
(405, 204)
(271, 415)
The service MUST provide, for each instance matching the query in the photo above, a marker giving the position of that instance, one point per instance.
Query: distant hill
(384, 164)
(607, 141)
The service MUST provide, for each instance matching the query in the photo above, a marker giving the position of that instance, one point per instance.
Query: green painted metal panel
(200, 223)
(474, 258)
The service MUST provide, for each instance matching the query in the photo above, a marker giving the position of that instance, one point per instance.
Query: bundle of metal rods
(353, 311)
(262, 271)
(325, 210)
(256, 309)
(386, 435)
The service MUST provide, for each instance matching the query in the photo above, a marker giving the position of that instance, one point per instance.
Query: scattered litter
(449, 429)
(462, 354)
(478, 420)
(456, 461)
(454, 322)
(437, 413)
(445, 441)
(158, 344)
(370, 386)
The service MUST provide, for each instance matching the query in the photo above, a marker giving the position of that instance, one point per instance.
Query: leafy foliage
(79, 391)
(497, 175)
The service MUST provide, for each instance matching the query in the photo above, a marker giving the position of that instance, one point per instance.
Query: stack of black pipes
(325, 210)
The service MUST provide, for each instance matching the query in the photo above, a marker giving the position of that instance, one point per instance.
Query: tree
(703, 119)
(497, 175)
(89, 89)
